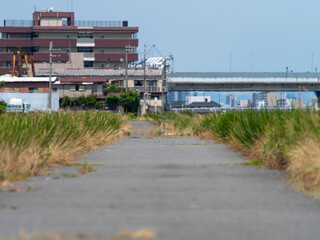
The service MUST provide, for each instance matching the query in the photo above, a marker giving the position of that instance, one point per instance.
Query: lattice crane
(20, 56)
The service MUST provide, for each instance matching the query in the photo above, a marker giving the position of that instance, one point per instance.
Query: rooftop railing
(29, 23)
(101, 23)
(245, 75)
(18, 23)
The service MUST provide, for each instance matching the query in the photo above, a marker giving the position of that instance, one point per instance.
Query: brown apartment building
(102, 43)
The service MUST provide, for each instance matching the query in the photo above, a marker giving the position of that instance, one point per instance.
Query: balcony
(15, 43)
(85, 42)
(6, 57)
(116, 42)
(88, 56)
(40, 42)
(149, 89)
(37, 42)
(5, 70)
(39, 57)
(44, 57)
(115, 57)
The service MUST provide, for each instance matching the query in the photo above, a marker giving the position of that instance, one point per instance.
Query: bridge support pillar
(318, 97)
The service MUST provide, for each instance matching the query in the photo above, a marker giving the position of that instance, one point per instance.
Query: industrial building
(101, 44)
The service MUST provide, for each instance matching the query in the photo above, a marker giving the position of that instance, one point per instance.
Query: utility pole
(50, 76)
(164, 71)
(126, 69)
(145, 80)
(128, 49)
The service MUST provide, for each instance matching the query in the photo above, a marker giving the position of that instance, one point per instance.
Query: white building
(191, 99)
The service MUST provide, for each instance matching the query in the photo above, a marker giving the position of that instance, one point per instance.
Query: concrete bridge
(244, 81)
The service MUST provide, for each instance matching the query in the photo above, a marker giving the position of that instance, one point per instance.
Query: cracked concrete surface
(179, 187)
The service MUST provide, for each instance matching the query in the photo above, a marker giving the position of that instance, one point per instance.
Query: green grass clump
(288, 140)
(183, 123)
(33, 142)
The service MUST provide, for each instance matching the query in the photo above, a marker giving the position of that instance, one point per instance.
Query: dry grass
(26, 156)
(54, 236)
(139, 234)
(304, 165)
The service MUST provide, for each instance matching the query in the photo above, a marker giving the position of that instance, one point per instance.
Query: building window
(68, 50)
(85, 49)
(101, 50)
(64, 22)
(27, 35)
(88, 64)
(134, 35)
(33, 90)
(101, 65)
(28, 49)
(77, 88)
(85, 35)
(9, 35)
(54, 89)
(101, 36)
(138, 83)
(68, 36)
(153, 83)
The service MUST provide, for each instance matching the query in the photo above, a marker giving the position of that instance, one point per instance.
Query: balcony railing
(100, 23)
(18, 23)
(149, 89)
(30, 23)
(245, 75)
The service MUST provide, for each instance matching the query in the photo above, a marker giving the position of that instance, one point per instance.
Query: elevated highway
(244, 81)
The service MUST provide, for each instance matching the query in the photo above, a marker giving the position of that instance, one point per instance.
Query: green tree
(65, 102)
(91, 101)
(112, 100)
(3, 107)
(1, 84)
(112, 88)
(130, 101)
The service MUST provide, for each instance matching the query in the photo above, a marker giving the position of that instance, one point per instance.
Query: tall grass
(29, 144)
(286, 140)
(176, 123)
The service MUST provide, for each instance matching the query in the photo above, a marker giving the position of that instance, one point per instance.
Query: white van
(17, 105)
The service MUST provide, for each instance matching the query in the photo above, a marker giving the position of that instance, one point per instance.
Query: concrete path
(181, 188)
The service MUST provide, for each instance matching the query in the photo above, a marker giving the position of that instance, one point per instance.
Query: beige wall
(50, 21)
(272, 99)
(75, 63)
(84, 90)
(69, 90)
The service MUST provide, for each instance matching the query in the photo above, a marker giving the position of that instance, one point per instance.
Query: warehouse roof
(98, 72)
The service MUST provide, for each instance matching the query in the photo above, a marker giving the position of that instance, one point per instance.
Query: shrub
(3, 107)
(112, 100)
(130, 101)
(113, 88)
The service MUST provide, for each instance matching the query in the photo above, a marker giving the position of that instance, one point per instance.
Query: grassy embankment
(30, 144)
(284, 140)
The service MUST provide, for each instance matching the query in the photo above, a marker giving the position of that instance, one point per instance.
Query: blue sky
(201, 34)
